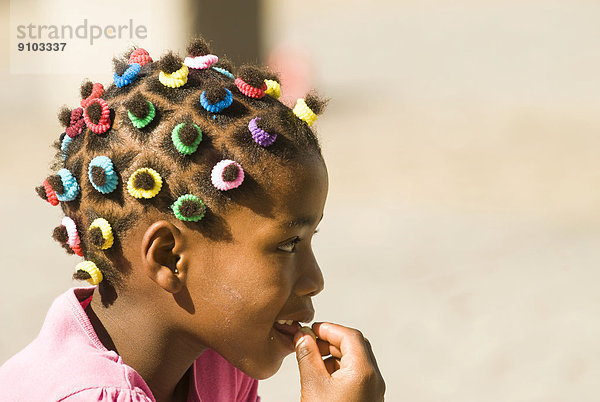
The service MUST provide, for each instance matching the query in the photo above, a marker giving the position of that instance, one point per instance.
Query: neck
(141, 336)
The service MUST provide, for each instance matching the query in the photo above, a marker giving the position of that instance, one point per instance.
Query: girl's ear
(162, 258)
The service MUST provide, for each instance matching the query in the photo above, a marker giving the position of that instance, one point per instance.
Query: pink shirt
(67, 362)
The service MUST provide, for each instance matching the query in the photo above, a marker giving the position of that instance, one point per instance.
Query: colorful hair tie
(104, 123)
(224, 72)
(227, 175)
(102, 174)
(128, 76)
(50, 193)
(97, 92)
(64, 144)
(101, 234)
(141, 123)
(189, 208)
(144, 183)
(303, 112)
(201, 62)
(140, 56)
(219, 106)
(260, 136)
(250, 91)
(176, 79)
(187, 145)
(273, 88)
(73, 236)
(71, 188)
(77, 123)
(91, 268)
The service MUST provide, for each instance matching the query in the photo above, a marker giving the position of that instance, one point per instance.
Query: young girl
(192, 195)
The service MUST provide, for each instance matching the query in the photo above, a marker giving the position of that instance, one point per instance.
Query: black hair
(225, 135)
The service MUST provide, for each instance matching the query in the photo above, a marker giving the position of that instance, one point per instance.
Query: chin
(260, 370)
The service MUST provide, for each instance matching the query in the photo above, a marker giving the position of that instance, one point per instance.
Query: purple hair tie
(260, 136)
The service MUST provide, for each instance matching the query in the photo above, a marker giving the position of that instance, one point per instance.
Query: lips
(288, 329)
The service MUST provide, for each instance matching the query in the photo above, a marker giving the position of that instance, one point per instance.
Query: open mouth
(286, 330)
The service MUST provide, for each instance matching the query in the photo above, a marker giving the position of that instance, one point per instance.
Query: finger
(327, 349)
(373, 359)
(370, 350)
(332, 364)
(310, 362)
(350, 342)
(323, 347)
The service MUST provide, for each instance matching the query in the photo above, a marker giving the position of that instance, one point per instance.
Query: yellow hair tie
(273, 88)
(175, 79)
(303, 112)
(91, 268)
(107, 233)
(140, 192)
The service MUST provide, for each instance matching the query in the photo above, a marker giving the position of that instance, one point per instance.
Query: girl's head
(194, 194)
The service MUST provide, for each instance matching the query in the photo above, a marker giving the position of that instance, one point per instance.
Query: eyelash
(292, 243)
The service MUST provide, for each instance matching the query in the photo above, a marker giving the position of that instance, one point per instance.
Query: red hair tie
(140, 56)
(97, 92)
(77, 123)
(104, 123)
(250, 91)
(50, 193)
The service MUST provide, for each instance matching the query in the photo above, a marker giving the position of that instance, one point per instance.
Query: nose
(311, 281)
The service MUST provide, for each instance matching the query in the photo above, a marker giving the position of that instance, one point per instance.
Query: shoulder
(216, 379)
(65, 359)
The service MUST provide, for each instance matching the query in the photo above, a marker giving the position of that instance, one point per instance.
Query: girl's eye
(290, 245)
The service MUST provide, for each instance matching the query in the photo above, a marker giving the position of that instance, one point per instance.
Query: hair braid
(143, 117)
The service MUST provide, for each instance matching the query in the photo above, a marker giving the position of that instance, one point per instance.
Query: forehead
(297, 196)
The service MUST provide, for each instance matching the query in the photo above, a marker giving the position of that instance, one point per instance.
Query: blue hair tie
(128, 76)
(70, 185)
(110, 176)
(219, 106)
(64, 144)
(224, 72)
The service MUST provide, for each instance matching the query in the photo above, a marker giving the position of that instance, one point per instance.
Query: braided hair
(183, 137)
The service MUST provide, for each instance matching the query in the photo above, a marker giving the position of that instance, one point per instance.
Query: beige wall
(460, 232)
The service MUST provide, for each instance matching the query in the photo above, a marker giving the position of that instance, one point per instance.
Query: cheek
(242, 289)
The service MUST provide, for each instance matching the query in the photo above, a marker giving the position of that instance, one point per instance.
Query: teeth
(285, 322)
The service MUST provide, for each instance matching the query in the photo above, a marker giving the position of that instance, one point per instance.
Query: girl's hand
(350, 374)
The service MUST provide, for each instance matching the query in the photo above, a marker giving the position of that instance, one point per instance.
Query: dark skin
(186, 293)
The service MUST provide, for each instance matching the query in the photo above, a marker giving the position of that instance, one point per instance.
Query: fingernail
(309, 331)
(300, 342)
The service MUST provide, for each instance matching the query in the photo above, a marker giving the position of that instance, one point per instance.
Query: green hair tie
(180, 146)
(141, 123)
(189, 208)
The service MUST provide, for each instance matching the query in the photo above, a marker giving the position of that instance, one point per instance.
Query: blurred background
(462, 138)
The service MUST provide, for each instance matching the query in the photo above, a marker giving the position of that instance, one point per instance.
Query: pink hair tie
(104, 123)
(227, 175)
(73, 240)
(250, 91)
(140, 56)
(77, 123)
(97, 91)
(201, 62)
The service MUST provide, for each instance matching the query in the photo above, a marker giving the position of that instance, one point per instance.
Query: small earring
(175, 271)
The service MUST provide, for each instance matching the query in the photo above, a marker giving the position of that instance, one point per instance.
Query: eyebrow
(300, 222)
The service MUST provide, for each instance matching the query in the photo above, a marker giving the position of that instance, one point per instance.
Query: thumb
(310, 363)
